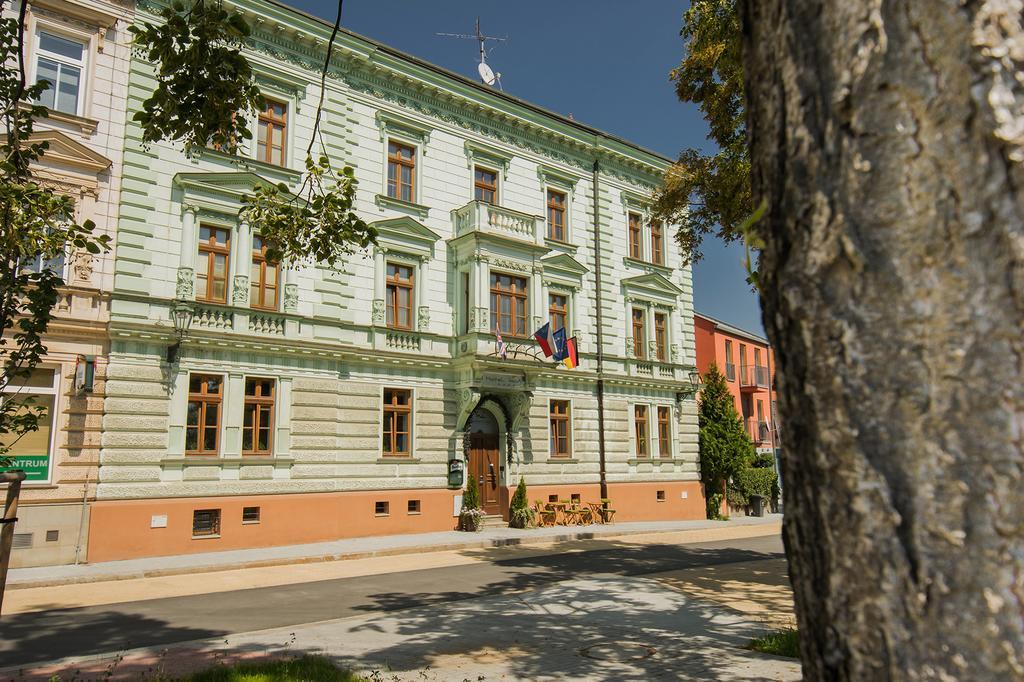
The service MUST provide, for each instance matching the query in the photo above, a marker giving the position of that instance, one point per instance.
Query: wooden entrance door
(484, 465)
(484, 460)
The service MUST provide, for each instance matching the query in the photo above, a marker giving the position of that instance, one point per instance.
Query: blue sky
(604, 61)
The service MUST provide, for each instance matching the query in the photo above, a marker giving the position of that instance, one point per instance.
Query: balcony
(754, 378)
(760, 432)
(484, 218)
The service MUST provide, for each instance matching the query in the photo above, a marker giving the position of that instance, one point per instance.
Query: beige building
(82, 48)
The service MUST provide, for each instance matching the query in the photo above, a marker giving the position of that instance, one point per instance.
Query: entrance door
(484, 462)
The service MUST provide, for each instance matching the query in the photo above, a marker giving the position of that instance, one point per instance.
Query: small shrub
(780, 643)
(520, 515)
(714, 507)
(763, 460)
(471, 500)
(285, 670)
(736, 498)
(756, 481)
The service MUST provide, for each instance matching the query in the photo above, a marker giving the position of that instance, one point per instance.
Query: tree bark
(887, 137)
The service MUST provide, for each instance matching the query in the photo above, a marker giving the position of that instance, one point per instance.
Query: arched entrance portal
(484, 458)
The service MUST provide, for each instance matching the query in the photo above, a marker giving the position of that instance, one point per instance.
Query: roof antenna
(487, 75)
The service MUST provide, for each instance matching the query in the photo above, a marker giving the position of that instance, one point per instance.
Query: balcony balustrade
(754, 378)
(479, 216)
(760, 432)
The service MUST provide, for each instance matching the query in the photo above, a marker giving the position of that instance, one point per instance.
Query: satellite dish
(486, 75)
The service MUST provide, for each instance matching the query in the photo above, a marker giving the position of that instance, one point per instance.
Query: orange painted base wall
(633, 501)
(120, 529)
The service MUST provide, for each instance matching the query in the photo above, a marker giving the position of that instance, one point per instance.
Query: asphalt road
(49, 635)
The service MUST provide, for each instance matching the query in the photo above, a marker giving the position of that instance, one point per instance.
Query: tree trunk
(887, 137)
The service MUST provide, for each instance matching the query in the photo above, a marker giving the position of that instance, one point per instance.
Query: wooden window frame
(665, 431)
(256, 402)
(205, 400)
(480, 186)
(552, 209)
(555, 311)
(391, 286)
(641, 432)
(657, 243)
(390, 411)
(635, 235)
(210, 249)
(399, 162)
(520, 302)
(639, 326)
(555, 418)
(217, 517)
(259, 259)
(661, 336)
(272, 121)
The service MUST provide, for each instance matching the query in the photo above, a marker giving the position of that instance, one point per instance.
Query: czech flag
(543, 336)
(571, 358)
(561, 352)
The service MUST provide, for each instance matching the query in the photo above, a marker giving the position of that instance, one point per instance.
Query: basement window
(552, 498)
(382, 508)
(250, 515)
(414, 506)
(206, 523)
(575, 498)
(661, 495)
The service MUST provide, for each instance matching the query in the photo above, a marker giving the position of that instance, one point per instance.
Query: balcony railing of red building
(754, 377)
(760, 432)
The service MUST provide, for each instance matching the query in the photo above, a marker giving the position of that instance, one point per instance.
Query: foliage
(286, 670)
(725, 447)
(520, 515)
(710, 194)
(714, 507)
(317, 222)
(779, 643)
(471, 498)
(763, 460)
(205, 86)
(750, 481)
(37, 232)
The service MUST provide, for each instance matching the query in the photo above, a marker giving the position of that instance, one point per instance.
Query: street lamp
(692, 389)
(181, 316)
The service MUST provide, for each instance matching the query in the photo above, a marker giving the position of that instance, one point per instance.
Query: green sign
(36, 467)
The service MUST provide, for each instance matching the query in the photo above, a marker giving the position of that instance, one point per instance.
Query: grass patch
(311, 668)
(779, 643)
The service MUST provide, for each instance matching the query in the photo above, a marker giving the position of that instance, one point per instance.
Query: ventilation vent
(52, 535)
(22, 541)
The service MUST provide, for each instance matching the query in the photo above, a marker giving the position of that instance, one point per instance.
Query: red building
(748, 364)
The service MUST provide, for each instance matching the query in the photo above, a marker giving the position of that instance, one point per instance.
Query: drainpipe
(600, 328)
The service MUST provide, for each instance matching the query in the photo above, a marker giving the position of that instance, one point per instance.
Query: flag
(571, 358)
(560, 352)
(502, 346)
(543, 336)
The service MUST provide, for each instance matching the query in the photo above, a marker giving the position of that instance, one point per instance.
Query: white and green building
(309, 404)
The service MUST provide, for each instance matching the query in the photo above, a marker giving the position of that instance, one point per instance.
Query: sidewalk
(357, 548)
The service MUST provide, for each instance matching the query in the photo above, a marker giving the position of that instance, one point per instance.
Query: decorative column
(652, 343)
(379, 314)
(573, 315)
(422, 301)
(186, 284)
(243, 261)
(629, 328)
(291, 290)
(540, 299)
(482, 304)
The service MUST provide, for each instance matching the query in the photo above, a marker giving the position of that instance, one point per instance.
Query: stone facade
(326, 346)
(85, 132)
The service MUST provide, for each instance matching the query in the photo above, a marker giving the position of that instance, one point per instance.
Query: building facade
(309, 404)
(748, 363)
(82, 48)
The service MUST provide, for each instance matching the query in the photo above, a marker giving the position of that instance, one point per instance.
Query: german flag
(571, 357)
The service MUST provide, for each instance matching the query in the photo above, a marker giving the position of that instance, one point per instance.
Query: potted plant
(519, 514)
(471, 517)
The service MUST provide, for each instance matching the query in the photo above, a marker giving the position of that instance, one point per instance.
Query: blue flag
(561, 349)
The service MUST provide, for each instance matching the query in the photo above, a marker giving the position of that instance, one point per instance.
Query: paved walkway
(600, 627)
(694, 531)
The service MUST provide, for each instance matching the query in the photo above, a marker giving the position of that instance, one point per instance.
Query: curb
(734, 532)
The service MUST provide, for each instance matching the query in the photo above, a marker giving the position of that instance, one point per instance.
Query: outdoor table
(559, 509)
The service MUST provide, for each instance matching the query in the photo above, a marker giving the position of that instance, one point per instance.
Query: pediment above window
(563, 268)
(402, 126)
(219, 192)
(69, 153)
(557, 177)
(405, 234)
(635, 201)
(651, 286)
(486, 155)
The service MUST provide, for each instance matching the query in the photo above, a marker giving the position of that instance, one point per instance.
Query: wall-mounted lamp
(692, 389)
(181, 316)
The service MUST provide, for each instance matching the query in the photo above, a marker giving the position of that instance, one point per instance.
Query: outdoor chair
(607, 513)
(596, 511)
(585, 515)
(545, 516)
